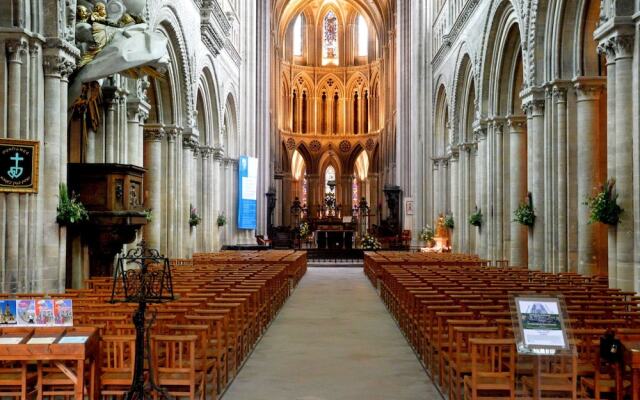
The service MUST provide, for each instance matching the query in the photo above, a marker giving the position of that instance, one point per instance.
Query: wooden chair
(118, 357)
(492, 370)
(16, 381)
(174, 360)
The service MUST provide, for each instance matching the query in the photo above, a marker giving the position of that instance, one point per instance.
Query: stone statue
(109, 48)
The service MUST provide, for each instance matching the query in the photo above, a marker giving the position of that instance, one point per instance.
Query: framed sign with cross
(19, 165)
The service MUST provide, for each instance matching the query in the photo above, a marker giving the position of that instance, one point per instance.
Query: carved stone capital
(517, 124)
(154, 133)
(173, 133)
(16, 49)
(589, 89)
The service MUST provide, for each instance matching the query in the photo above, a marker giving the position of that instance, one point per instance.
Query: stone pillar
(481, 189)
(111, 130)
(618, 42)
(498, 178)
(455, 193)
(535, 113)
(560, 96)
(153, 138)
(588, 91)
(605, 48)
(137, 112)
(16, 50)
(189, 143)
(517, 187)
(169, 230)
(437, 205)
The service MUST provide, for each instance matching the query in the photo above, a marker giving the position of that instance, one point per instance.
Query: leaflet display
(541, 323)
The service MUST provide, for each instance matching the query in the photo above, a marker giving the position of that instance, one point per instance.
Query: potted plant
(476, 218)
(603, 205)
(70, 210)
(426, 235)
(148, 214)
(525, 214)
(194, 218)
(448, 221)
(369, 242)
(222, 220)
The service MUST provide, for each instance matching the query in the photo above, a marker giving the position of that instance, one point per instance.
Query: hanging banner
(19, 165)
(247, 192)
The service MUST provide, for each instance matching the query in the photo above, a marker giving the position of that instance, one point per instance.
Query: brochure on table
(36, 312)
(541, 325)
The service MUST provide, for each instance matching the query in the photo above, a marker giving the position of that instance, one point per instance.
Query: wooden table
(631, 348)
(57, 353)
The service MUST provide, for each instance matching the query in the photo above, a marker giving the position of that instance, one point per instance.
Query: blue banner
(247, 192)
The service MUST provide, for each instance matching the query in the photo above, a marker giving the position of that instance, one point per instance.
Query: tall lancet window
(330, 54)
(329, 179)
(298, 36)
(363, 37)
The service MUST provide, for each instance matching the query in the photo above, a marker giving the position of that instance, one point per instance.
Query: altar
(334, 239)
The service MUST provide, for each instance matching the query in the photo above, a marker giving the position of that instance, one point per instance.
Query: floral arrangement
(476, 218)
(148, 214)
(70, 210)
(427, 234)
(524, 214)
(370, 243)
(603, 205)
(194, 218)
(330, 200)
(304, 230)
(448, 221)
(222, 220)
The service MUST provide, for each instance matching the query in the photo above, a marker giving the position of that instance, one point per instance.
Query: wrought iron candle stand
(141, 276)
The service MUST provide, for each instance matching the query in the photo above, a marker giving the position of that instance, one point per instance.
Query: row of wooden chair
(199, 341)
(456, 313)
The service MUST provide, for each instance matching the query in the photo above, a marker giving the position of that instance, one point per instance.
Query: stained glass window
(297, 36)
(363, 37)
(329, 177)
(330, 53)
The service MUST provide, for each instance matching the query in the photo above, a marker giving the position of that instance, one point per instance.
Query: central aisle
(333, 340)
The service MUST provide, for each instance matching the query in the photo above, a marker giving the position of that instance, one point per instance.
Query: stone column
(461, 220)
(137, 112)
(588, 91)
(437, 206)
(481, 188)
(189, 143)
(169, 230)
(153, 138)
(535, 113)
(517, 187)
(111, 130)
(560, 96)
(618, 41)
(608, 50)
(498, 173)
(16, 50)
(623, 47)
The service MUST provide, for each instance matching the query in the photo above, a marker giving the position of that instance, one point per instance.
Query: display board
(19, 161)
(541, 323)
(36, 312)
(247, 192)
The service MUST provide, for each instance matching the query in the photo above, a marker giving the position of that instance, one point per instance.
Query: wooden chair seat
(17, 381)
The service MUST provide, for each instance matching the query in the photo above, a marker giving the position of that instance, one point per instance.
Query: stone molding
(517, 123)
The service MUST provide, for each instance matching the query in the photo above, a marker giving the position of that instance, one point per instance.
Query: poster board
(541, 324)
(19, 165)
(36, 312)
(247, 192)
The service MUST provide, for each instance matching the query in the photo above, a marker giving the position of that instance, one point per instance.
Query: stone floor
(333, 340)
